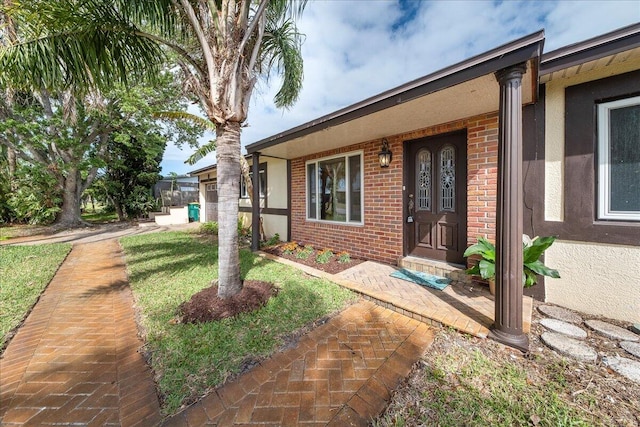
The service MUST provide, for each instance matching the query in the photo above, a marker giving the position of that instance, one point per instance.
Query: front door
(436, 197)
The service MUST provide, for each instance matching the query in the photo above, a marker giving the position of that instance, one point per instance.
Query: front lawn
(189, 360)
(24, 273)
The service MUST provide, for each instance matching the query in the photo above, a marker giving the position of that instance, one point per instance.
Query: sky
(355, 49)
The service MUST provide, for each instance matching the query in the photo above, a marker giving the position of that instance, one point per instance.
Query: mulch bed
(333, 266)
(205, 306)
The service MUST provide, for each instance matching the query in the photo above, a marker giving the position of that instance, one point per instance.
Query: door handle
(410, 209)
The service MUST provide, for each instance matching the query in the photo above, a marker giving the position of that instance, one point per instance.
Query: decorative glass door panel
(436, 185)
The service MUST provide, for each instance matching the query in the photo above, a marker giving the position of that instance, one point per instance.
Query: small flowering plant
(304, 252)
(324, 256)
(343, 257)
(289, 248)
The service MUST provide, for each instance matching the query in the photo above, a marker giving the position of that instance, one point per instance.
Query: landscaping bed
(324, 259)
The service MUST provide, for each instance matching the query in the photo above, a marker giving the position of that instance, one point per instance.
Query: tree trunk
(69, 215)
(11, 159)
(119, 210)
(228, 171)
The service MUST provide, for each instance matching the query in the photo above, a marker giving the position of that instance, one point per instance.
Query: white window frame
(604, 148)
(344, 156)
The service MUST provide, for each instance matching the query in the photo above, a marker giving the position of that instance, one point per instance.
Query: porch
(463, 305)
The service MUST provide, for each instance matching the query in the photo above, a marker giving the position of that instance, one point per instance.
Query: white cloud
(356, 49)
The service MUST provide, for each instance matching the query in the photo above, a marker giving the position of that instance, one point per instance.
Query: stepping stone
(631, 347)
(569, 346)
(625, 367)
(612, 331)
(560, 313)
(564, 328)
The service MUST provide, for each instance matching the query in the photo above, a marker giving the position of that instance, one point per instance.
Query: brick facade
(381, 237)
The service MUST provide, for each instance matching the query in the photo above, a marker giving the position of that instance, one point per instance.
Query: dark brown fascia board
(213, 166)
(617, 41)
(512, 53)
(197, 171)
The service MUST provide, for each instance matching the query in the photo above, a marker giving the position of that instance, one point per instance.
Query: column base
(519, 342)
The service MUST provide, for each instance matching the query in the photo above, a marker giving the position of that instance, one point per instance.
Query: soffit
(471, 98)
(612, 61)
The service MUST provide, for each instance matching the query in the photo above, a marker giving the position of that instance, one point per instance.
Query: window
(619, 159)
(334, 189)
(262, 182)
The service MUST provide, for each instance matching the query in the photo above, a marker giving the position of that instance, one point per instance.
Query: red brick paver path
(75, 359)
(340, 374)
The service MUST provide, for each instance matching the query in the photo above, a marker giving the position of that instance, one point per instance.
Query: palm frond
(201, 152)
(183, 115)
(68, 44)
(281, 51)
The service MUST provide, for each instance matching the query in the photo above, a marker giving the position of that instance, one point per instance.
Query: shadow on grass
(166, 269)
(180, 252)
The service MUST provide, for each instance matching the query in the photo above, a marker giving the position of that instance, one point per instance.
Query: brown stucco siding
(381, 237)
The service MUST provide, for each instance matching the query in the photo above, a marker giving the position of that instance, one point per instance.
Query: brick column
(255, 203)
(507, 328)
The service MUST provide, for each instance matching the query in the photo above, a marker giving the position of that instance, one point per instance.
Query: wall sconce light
(384, 156)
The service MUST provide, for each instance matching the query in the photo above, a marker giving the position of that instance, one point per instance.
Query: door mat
(423, 279)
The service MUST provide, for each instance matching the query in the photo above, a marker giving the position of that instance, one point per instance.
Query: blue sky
(357, 48)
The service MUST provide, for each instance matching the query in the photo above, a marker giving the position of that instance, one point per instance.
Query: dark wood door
(436, 197)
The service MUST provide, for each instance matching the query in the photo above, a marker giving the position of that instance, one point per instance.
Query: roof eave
(515, 52)
(592, 49)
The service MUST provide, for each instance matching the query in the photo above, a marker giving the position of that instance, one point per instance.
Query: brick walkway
(75, 359)
(465, 307)
(340, 374)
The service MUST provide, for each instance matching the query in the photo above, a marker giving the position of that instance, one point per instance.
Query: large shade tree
(221, 46)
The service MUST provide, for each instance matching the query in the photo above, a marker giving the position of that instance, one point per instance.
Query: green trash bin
(194, 212)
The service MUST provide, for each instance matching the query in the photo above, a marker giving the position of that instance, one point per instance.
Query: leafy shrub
(324, 256)
(210, 227)
(273, 240)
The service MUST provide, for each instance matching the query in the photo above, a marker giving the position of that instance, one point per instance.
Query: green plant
(210, 227)
(274, 240)
(289, 248)
(242, 230)
(304, 252)
(324, 256)
(532, 250)
(344, 257)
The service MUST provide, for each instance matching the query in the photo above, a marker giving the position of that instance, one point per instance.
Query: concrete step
(455, 272)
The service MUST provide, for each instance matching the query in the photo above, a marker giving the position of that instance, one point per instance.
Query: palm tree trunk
(228, 172)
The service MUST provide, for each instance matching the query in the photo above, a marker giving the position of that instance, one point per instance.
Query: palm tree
(221, 47)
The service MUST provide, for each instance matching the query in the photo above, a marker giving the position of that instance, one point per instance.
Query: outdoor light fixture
(384, 156)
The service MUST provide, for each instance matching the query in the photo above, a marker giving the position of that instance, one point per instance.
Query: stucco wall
(555, 131)
(595, 279)
(276, 197)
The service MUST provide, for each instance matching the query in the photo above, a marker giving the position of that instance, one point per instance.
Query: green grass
(99, 217)
(24, 273)
(463, 386)
(165, 269)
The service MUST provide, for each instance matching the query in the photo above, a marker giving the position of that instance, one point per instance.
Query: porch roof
(618, 46)
(462, 90)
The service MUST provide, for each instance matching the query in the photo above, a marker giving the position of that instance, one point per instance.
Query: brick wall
(381, 238)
